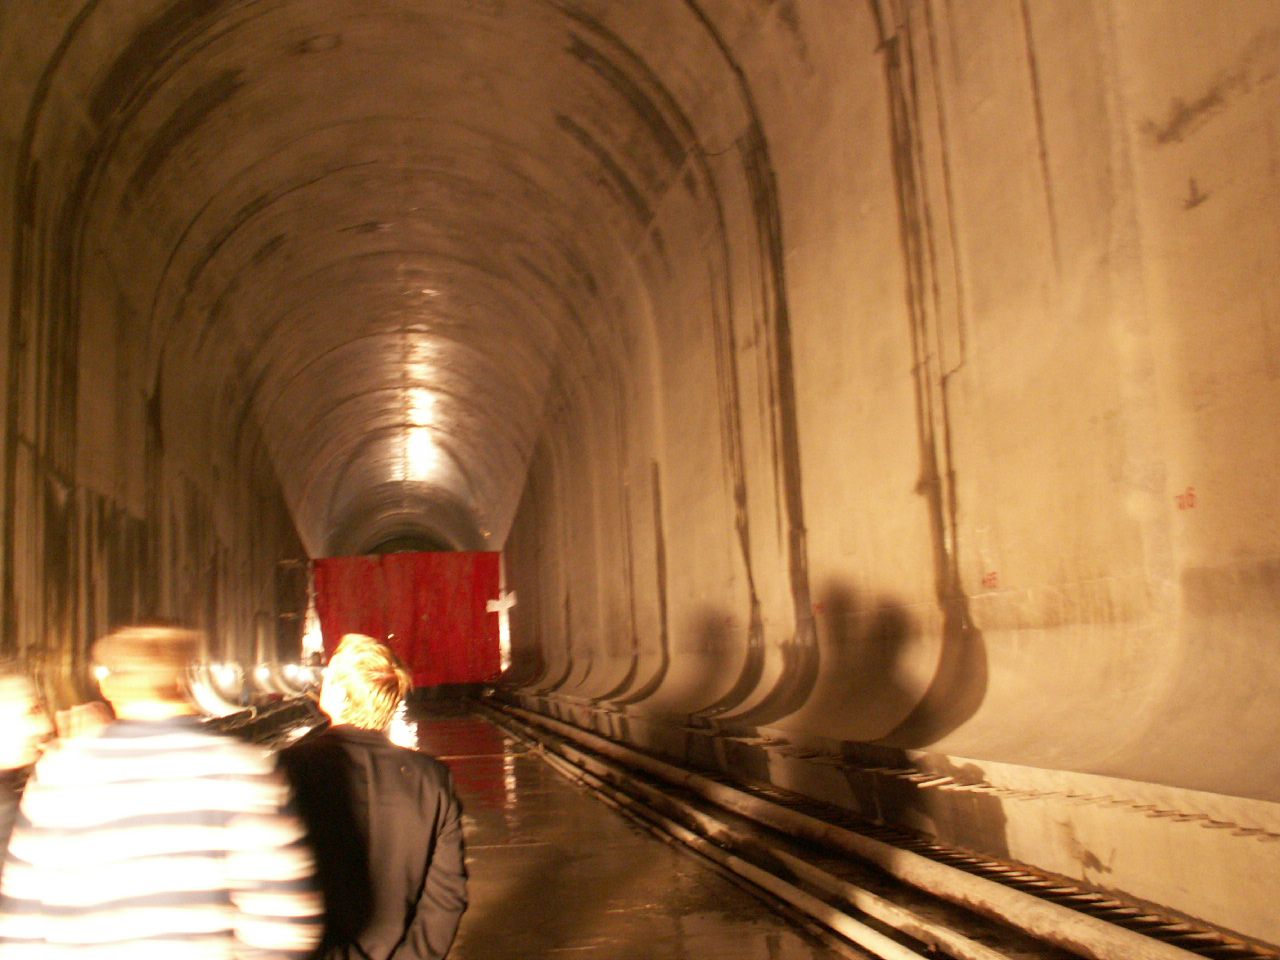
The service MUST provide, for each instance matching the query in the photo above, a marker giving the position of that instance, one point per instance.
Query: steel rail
(809, 905)
(1041, 919)
(714, 839)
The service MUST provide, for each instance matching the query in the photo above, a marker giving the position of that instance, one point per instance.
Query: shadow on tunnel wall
(960, 679)
(586, 662)
(527, 668)
(867, 644)
(869, 641)
(713, 633)
(622, 695)
(792, 689)
(623, 685)
(548, 683)
(958, 686)
(619, 696)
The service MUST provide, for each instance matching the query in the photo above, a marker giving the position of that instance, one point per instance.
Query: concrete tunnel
(896, 380)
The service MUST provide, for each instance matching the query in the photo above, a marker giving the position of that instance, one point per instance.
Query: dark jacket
(387, 832)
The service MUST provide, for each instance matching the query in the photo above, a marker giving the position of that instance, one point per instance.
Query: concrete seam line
(859, 933)
(891, 914)
(1042, 919)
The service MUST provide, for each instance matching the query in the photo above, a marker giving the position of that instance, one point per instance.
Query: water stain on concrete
(1257, 65)
(190, 115)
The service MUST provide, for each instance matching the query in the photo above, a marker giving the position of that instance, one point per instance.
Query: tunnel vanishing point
(877, 397)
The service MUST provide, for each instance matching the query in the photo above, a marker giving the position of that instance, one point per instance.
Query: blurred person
(155, 838)
(24, 729)
(24, 725)
(82, 719)
(384, 819)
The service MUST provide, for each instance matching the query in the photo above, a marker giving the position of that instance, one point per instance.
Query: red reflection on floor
(556, 873)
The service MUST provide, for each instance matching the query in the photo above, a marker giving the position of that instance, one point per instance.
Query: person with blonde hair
(384, 820)
(364, 683)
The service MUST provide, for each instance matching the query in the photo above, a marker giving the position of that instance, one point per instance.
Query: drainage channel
(893, 894)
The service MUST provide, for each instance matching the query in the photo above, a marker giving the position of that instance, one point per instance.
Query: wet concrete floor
(556, 873)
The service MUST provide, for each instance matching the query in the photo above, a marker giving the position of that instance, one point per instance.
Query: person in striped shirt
(156, 839)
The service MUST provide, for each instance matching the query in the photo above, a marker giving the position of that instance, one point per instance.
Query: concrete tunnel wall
(894, 376)
(955, 431)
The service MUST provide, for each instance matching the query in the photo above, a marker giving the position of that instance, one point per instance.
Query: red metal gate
(430, 607)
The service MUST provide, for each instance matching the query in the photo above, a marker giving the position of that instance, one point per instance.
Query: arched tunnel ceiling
(844, 368)
(377, 236)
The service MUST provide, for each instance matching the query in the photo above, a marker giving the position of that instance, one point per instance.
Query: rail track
(889, 893)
